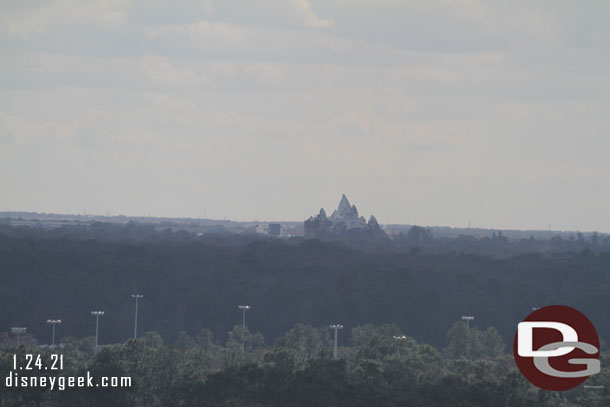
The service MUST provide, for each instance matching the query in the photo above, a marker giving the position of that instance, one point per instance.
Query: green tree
(473, 343)
(305, 340)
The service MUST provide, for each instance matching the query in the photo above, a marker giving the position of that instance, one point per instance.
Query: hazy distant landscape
(195, 272)
(305, 203)
(289, 228)
(378, 288)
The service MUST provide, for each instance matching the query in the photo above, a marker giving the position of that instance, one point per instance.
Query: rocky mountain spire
(344, 220)
(346, 212)
(344, 203)
(373, 221)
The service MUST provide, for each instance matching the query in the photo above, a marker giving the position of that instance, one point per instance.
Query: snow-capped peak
(343, 219)
(348, 214)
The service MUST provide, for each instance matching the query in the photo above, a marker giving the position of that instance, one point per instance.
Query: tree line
(377, 366)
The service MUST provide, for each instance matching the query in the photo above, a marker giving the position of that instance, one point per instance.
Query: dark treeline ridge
(376, 368)
(190, 282)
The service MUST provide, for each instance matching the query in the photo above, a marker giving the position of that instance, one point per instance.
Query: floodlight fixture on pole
(135, 328)
(18, 331)
(467, 318)
(399, 338)
(97, 315)
(53, 322)
(336, 327)
(243, 327)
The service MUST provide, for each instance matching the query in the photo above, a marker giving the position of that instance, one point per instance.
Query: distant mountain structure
(343, 223)
(288, 229)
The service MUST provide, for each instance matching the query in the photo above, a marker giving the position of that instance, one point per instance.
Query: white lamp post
(467, 318)
(97, 315)
(243, 326)
(53, 322)
(399, 338)
(336, 327)
(135, 328)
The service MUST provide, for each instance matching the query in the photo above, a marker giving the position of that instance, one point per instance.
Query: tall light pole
(399, 338)
(53, 322)
(336, 328)
(135, 328)
(97, 315)
(243, 326)
(467, 318)
(18, 331)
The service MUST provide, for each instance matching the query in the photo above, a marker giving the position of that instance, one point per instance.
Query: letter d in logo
(525, 338)
(556, 348)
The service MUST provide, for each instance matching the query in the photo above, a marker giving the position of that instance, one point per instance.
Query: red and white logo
(556, 348)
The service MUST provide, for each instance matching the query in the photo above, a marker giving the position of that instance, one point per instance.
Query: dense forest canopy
(400, 301)
(190, 282)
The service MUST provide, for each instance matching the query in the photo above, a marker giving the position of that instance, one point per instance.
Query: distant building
(344, 222)
(274, 229)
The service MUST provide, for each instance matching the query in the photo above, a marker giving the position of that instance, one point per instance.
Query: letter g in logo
(553, 345)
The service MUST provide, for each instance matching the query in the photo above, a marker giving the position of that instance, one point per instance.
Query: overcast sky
(422, 112)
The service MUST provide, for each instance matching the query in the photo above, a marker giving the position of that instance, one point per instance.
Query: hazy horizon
(423, 112)
(328, 211)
